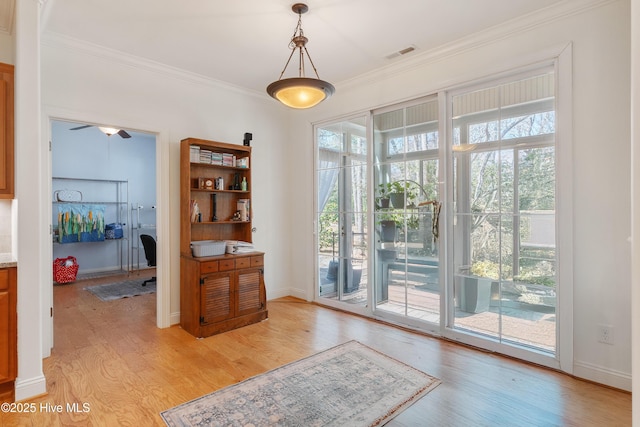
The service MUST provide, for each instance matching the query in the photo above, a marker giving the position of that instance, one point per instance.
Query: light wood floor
(111, 357)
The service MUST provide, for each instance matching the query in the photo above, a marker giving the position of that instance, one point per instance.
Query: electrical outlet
(605, 334)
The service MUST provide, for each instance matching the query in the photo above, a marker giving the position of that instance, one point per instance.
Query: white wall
(92, 86)
(601, 173)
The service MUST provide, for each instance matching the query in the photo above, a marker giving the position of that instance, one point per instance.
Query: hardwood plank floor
(110, 357)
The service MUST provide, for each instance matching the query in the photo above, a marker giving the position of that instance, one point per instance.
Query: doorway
(342, 215)
(111, 172)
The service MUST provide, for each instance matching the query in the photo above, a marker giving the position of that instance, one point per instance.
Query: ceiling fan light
(300, 92)
(108, 131)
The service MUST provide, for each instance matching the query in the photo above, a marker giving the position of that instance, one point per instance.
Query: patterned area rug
(347, 385)
(125, 289)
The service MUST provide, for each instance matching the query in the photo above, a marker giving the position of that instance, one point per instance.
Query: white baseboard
(296, 293)
(30, 387)
(609, 377)
(174, 318)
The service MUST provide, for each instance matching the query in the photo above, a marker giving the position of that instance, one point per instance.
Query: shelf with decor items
(222, 291)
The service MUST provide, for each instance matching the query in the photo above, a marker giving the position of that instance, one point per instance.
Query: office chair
(149, 245)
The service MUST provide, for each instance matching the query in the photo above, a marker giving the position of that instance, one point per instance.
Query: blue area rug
(347, 385)
(124, 289)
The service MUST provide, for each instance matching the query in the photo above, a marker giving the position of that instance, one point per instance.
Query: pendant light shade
(301, 91)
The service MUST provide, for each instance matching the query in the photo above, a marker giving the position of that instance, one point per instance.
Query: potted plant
(403, 193)
(382, 198)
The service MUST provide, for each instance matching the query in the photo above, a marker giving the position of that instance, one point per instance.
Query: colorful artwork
(80, 223)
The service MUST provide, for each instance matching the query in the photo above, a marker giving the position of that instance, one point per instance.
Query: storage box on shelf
(218, 291)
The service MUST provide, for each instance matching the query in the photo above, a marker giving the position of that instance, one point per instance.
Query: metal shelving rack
(137, 228)
(114, 194)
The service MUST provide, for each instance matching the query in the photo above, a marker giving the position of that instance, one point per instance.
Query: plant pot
(388, 231)
(387, 254)
(332, 271)
(384, 203)
(397, 200)
(475, 294)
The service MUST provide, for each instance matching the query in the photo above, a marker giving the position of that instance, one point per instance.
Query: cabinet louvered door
(250, 289)
(217, 298)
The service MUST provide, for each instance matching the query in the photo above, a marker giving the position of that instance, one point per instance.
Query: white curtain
(329, 161)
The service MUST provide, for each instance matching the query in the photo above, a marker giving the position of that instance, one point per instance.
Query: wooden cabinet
(8, 333)
(222, 292)
(6, 132)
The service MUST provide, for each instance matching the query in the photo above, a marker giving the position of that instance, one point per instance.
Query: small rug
(125, 289)
(347, 385)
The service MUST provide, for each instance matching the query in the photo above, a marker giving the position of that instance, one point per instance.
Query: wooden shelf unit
(222, 292)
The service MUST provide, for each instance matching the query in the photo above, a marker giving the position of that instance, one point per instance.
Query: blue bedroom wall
(89, 154)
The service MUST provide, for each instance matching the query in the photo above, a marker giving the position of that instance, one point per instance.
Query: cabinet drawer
(257, 261)
(4, 279)
(243, 262)
(208, 267)
(227, 264)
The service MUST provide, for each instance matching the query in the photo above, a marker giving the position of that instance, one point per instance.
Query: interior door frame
(163, 269)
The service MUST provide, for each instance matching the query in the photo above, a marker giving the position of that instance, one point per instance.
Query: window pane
(504, 211)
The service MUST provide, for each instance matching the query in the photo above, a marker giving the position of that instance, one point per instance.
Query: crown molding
(474, 41)
(71, 44)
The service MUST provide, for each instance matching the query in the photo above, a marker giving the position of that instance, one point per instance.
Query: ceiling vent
(401, 52)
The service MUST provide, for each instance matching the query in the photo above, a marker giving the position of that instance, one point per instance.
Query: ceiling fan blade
(81, 127)
(124, 134)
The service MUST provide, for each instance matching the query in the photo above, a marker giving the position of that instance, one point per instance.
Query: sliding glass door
(445, 219)
(407, 211)
(341, 221)
(503, 248)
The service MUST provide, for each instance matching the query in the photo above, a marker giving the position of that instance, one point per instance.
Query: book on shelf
(194, 211)
(194, 154)
(205, 156)
(243, 206)
(216, 158)
(227, 159)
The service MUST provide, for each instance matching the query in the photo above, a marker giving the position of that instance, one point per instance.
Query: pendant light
(301, 91)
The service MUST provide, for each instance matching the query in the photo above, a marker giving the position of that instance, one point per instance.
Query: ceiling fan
(106, 130)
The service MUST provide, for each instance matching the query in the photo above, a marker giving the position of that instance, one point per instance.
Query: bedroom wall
(600, 38)
(90, 154)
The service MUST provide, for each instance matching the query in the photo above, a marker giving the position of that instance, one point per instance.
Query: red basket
(63, 273)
